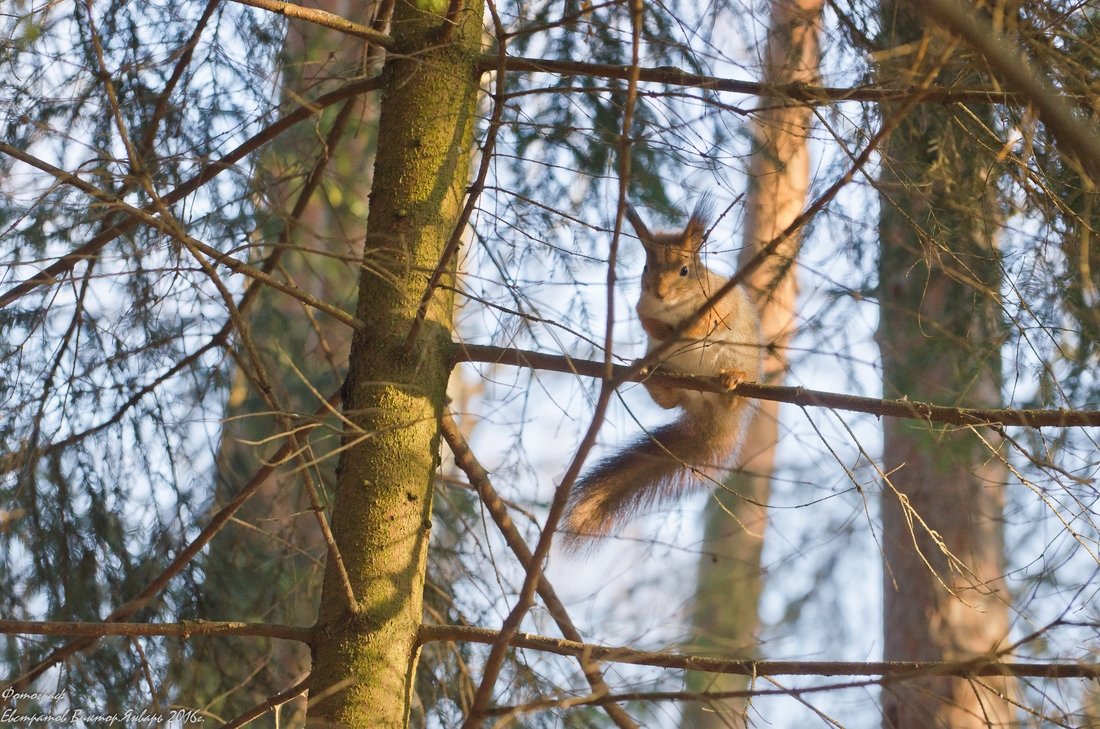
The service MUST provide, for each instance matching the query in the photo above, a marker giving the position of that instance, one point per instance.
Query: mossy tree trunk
(365, 655)
(730, 578)
(940, 335)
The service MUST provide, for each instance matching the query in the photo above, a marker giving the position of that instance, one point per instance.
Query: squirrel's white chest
(733, 344)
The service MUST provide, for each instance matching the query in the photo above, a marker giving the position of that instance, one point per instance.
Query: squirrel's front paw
(732, 378)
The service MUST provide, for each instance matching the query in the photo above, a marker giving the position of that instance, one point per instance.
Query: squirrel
(697, 447)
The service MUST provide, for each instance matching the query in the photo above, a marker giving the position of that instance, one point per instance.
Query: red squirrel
(706, 439)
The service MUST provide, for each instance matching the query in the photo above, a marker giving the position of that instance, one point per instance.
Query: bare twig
(154, 587)
(161, 223)
(270, 703)
(495, 661)
(265, 388)
(63, 265)
(28, 451)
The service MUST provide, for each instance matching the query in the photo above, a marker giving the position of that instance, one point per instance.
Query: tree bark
(730, 575)
(365, 657)
(940, 334)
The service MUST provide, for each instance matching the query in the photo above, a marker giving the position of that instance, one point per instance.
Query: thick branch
(982, 666)
(323, 18)
(184, 629)
(797, 91)
(908, 409)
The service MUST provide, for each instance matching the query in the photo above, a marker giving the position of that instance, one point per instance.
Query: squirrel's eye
(645, 268)
(684, 271)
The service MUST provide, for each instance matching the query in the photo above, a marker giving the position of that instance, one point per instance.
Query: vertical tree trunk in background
(365, 660)
(940, 334)
(263, 566)
(730, 580)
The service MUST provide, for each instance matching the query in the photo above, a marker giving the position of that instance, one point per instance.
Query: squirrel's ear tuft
(637, 223)
(696, 229)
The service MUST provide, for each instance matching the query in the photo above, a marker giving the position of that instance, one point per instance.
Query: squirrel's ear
(696, 229)
(637, 223)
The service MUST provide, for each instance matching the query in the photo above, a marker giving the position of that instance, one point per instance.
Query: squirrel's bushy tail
(658, 466)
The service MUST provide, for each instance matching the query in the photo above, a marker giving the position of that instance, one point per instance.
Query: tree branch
(167, 227)
(495, 660)
(269, 704)
(989, 665)
(253, 144)
(184, 629)
(322, 18)
(908, 409)
(153, 588)
(795, 91)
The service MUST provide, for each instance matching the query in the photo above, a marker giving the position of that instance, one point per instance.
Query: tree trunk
(730, 579)
(940, 334)
(365, 658)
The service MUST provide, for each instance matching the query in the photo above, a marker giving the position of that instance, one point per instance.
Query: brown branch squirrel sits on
(705, 440)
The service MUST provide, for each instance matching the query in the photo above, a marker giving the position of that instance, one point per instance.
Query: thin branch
(183, 629)
(270, 703)
(989, 665)
(906, 409)
(1017, 72)
(498, 511)
(266, 389)
(67, 262)
(148, 217)
(495, 660)
(322, 18)
(154, 587)
(184, 54)
(25, 453)
(258, 373)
